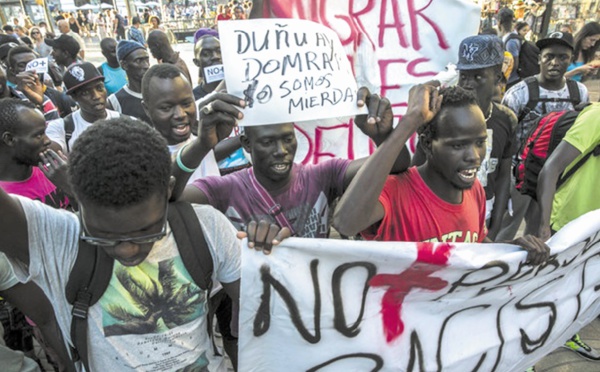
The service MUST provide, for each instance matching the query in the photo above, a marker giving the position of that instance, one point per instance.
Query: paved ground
(561, 360)
(564, 360)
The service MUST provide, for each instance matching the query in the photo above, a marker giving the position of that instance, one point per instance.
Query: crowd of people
(111, 175)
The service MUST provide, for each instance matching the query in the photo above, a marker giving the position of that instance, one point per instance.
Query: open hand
(264, 235)
(55, 166)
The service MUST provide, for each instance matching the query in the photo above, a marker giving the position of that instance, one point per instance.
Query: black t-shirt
(199, 92)
(501, 131)
(129, 104)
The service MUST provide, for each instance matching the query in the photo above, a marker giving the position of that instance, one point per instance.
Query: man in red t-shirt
(440, 201)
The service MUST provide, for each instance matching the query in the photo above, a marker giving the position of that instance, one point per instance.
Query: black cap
(556, 38)
(80, 74)
(65, 42)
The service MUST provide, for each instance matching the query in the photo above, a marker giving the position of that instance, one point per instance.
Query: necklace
(490, 114)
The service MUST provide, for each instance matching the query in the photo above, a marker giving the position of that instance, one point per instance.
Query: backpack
(528, 57)
(93, 270)
(533, 87)
(547, 132)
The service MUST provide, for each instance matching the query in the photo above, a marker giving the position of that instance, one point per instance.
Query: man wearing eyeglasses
(152, 316)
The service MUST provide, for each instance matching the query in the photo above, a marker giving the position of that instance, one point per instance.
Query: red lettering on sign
(308, 137)
(349, 131)
(412, 68)
(383, 73)
(396, 25)
(359, 28)
(430, 258)
(413, 14)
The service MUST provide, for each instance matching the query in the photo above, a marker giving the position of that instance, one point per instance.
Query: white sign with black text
(287, 70)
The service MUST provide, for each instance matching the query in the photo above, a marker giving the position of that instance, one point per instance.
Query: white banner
(391, 45)
(287, 70)
(336, 305)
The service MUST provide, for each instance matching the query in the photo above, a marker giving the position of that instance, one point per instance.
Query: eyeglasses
(105, 242)
(35, 33)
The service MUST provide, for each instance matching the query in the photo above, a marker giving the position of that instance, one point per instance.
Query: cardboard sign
(39, 65)
(213, 73)
(339, 305)
(287, 70)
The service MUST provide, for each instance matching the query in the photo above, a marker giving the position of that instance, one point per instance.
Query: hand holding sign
(287, 70)
(30, 84)
(219, 114)
(379, 122)
(39, 65)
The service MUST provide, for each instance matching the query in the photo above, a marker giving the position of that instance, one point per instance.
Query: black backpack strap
(575, 168)
(191, 243)
(574, 95)
(533, 87)
(513, 36)
(193, 249)
(69, 124)
(87, 282)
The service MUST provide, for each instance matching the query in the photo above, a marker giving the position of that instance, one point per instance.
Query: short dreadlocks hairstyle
(118, 163)
(452, 97)
(9, 117)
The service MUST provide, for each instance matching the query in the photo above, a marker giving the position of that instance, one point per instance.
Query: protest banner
(391, 45)
(287, 70)
(339, 305)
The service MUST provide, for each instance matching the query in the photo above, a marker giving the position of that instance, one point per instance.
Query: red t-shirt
(413, 213)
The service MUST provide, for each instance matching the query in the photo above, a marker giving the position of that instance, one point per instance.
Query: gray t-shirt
(7, 277)
(152, 317)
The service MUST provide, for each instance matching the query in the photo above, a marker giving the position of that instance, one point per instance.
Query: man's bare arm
(13, 228)
(30, 299)
(359, 207)
(378, 124)
(556, 164)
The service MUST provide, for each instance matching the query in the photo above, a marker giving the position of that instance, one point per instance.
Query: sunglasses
(105, 242)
